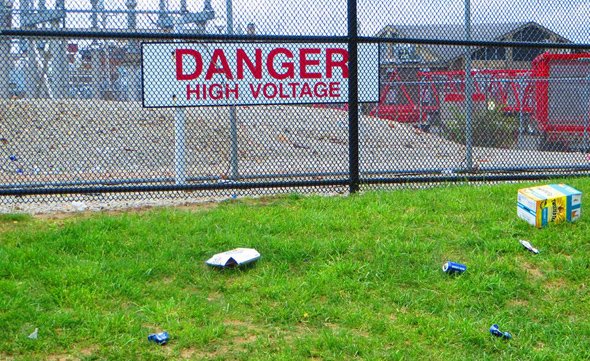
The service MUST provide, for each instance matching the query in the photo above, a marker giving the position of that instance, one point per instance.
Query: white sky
(570, 18)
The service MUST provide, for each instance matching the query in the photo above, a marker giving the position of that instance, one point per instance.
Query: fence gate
(112, 99)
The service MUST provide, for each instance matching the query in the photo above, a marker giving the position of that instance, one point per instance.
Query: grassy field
(340, 278)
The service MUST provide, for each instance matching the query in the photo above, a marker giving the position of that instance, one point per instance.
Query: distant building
(449, 57)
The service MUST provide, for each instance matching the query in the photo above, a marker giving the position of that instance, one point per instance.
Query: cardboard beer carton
(552, 203)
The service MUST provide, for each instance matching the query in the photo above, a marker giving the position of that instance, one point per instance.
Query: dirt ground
(77, 141)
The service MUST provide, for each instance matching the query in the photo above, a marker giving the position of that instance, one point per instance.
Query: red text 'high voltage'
(209, 74)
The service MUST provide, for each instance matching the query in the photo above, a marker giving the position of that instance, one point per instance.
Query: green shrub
(491, 127)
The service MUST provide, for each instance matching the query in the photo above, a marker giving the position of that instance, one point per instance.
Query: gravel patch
(74, 141)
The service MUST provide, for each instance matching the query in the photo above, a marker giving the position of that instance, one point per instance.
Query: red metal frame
(541, 69)
(504, 86)
(454, 85)
(405, 111)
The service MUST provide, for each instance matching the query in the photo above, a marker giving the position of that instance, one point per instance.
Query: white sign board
(213, 74)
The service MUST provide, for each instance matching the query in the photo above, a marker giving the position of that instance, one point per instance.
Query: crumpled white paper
(233, 258)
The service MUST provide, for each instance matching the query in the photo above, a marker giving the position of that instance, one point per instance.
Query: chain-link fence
(109, 98)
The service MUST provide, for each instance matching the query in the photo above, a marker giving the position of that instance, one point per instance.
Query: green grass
(340, 278)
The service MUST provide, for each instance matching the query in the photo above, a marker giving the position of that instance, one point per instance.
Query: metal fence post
(520, 94)
(232, 109)
(586, 82)
(179, 145)
(468, 92)
(179, 136)
(353, 106)
(6, 65)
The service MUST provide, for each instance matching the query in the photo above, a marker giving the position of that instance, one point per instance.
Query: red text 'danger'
(277, 63)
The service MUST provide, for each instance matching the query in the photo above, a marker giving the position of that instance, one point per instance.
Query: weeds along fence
(103, 97)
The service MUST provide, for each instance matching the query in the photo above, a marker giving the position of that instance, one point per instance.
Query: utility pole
(164, 20)
(60, 76)
(97, 72)
(31, 70)
(133, 70)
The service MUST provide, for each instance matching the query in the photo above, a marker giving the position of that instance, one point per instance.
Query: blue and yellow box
(552, 203)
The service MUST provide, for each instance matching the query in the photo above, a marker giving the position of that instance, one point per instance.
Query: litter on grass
(552, 203)
(454, 268)
(34, 335)
(234, 258)
(159, 338)
(495, 331)
(529, 246)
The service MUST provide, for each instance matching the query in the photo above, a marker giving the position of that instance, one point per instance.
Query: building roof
(479, 31)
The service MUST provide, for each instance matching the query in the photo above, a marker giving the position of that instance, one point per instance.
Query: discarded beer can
(159, 338)
(495, 331)
(529, 246)
(453, 267)
(34, 335)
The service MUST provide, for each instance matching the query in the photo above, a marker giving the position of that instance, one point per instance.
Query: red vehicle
(417, 97)
(511, 89)
(552, 99)
(408, 98)
(562, 99)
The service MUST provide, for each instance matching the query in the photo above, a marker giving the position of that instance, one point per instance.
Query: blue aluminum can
(453, 267)
(160, 338)
(495, 330)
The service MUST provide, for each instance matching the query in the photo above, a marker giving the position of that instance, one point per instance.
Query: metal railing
(73, 121)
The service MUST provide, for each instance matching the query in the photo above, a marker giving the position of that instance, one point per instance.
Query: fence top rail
(124, 34)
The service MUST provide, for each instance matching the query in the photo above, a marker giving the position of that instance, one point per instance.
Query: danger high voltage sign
(209, 74)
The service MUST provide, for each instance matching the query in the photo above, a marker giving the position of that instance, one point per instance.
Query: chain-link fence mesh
(108, 99)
